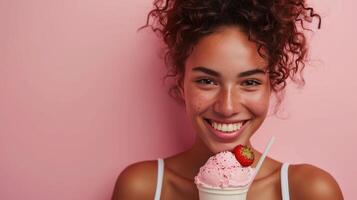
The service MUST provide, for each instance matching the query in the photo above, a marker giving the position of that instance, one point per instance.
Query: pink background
(82, 97)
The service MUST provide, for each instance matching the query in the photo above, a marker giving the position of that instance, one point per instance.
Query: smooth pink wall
(82, 97)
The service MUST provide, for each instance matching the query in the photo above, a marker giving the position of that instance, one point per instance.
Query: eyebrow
(216, 74)
(251, 72)
(206, 71)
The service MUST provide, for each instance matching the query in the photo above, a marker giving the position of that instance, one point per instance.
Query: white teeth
(214, 124)
(230, 127)
(227, 127)
(239, 125)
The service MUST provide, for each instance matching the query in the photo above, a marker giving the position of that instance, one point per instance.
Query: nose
(227, 102)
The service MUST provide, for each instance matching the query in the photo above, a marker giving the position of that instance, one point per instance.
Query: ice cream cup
(206, 193)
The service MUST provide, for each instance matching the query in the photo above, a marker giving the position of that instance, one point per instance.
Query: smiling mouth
(226, 127)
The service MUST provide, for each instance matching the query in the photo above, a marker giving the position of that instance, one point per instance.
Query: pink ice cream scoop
(224, 171)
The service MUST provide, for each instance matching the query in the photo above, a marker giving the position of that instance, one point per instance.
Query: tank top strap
(284, 181)
(160, 178)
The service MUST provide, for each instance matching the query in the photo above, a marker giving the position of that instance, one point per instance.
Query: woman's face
(226, 89)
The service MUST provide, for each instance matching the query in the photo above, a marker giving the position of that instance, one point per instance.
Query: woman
(229, 57)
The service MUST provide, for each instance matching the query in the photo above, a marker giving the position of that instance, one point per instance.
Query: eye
(251, 83)
(206, 81)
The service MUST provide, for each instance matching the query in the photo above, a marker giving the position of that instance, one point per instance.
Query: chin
(217, 147)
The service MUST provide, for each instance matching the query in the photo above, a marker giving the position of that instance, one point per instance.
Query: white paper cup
(222, 194)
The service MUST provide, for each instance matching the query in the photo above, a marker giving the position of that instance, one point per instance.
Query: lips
(225, 130)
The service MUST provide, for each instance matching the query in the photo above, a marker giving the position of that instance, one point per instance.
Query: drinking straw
(262, 158)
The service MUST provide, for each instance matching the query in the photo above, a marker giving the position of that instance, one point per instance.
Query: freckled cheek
(258, 103)
(197, 101)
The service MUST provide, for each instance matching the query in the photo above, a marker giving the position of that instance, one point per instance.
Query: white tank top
(283, 177)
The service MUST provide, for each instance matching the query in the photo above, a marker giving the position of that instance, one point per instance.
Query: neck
(194, 158)
(199, 154)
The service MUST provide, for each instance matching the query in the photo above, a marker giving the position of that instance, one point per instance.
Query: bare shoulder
(310, 182)
(137, 181)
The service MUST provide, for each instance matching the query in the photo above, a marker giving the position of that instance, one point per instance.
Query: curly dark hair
(276, 26)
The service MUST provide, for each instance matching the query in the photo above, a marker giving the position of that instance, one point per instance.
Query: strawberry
(244, 155)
